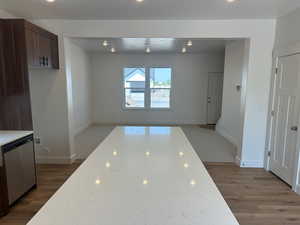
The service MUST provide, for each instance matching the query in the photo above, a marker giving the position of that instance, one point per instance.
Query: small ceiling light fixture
(148, 50)
(186, 165)
(147, 153)
(113, 50)
(181, 153)
(230, 1)
(50, 1)
(189, 43)
(105, 43)
(184, 50)
(139, 1)
(115, 153)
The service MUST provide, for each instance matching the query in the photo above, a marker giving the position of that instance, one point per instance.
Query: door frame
(207, 90)
(288, 50)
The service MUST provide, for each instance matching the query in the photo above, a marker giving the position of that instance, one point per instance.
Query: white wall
(50, 115)
(80, 69)
(230, 124)
(261, 36)
(189, 87)
(287, 29)
(6, 15)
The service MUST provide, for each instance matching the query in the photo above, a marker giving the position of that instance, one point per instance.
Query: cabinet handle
(41, 61)
(44, 61)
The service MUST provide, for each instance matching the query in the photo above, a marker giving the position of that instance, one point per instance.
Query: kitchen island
(139, 176)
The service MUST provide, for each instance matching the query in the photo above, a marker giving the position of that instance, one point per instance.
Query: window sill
(146, 109)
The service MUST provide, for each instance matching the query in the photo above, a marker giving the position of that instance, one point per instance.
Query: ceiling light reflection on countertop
(98, 181)
(107, 164)
(105, 43)
(145, 181)
(193, 182)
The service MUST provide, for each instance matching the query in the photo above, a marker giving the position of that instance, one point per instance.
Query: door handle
(294, 128)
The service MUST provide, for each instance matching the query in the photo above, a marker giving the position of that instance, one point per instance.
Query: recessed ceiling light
(181, 153)
(190, 43)
(50, 0)
(186, 165)
(115, 153)
(147, 153)
(184, 50)
(230, 1)
(113, 50)
(148, 50)
(139, 0)
(105, 43)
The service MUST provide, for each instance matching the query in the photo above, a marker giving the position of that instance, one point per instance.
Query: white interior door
(214, 97)
(285, 113)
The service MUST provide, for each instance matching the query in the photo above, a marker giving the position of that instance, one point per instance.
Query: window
(160, 85)
(147, 87)
(134, 84)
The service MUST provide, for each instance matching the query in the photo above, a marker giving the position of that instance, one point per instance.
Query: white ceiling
(159, 45)
(149, 9)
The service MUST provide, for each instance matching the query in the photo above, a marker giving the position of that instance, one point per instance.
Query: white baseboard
(55, 159)
(252, 164)
(297, 189)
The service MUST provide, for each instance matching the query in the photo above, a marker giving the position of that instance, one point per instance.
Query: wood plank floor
(255, 196)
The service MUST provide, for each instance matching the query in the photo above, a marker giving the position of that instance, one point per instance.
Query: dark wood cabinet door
(45, 51)
(42, 47)
(15, 103)
(32, 44)
(54, 53)
(2, 64)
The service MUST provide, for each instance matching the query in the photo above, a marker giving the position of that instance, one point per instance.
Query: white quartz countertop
(8, 136)
(139, 176)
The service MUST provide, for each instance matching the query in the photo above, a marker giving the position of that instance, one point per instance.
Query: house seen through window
(147, 87)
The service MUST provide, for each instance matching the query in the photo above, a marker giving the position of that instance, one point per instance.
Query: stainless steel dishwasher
(20, 169)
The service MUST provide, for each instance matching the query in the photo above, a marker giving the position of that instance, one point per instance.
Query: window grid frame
(147, 90)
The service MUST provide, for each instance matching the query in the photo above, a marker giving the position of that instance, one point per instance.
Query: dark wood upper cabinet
(23, 46)
(42, 47)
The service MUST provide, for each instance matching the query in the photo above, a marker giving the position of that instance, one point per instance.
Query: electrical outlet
(38, 140)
